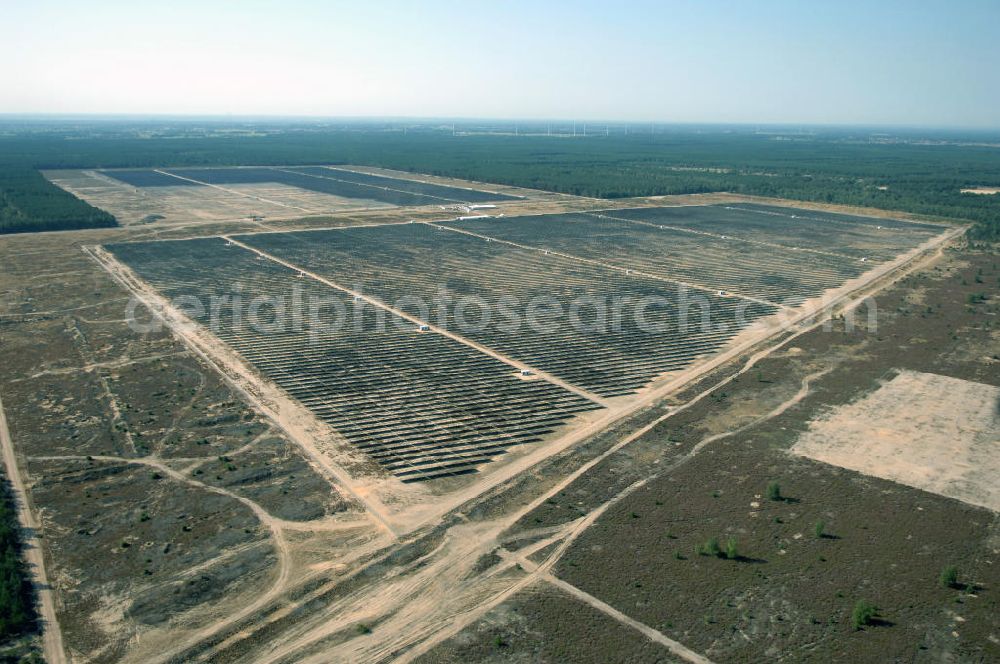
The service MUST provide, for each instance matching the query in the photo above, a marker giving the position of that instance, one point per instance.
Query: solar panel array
(333, 181)
(592, 301)
(419, 403)
(597, 328)
(654, 241)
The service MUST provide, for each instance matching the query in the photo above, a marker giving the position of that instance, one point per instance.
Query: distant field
(198, 195)
(337, 182)
(912, 171)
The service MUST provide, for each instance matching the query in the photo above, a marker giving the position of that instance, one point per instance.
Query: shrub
(774, 491)
(731, 551)
(711, 547)
(819, 529)
(864, 613)
(949, 577)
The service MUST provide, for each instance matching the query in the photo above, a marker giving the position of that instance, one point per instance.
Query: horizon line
(251, 117)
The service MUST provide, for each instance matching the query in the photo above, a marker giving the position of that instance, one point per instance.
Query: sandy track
(113, 364)
(675, 647)
(52, 644)
(464, 616)
(274, 525)
(293, 419)
(573, 530)
(417, 621)
(424, 602)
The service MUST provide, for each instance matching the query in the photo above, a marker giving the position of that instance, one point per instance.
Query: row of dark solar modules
(444, 192)
(797, 229)
(337, 182)
(594, 327)
(392, 411)
(783, 261)
(767, 274)
(420, 404)
(423, 405)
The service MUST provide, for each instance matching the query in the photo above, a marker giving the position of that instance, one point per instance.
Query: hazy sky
(811, 61)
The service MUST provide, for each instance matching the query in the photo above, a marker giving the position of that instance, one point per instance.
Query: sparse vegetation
(949, 577)
(863, 614)
(711, 547)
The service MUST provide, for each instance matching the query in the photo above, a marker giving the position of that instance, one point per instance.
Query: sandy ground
(52, 643)
(437, 596)
(403, 508)
(166, 205)
(423, 600)
(982, 190)
(923, 430)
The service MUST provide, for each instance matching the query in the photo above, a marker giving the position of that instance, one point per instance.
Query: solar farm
(337, 413)
(187, 195)
(464, 340)
(421, 404)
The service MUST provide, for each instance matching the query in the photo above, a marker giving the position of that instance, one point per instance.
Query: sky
(764, 61)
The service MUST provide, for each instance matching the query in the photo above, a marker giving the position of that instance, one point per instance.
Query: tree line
(29, 202)
(17, 601)
(911, 177)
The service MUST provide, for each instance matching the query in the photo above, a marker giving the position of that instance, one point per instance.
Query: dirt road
(52, 644)
(421, 602)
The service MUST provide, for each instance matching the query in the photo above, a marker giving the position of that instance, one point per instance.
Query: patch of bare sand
(927, 431)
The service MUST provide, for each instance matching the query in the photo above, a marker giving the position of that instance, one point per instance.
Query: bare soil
(790, 592)
(278, 565)
(927, 431)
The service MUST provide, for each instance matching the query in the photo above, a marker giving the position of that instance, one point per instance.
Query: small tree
(949, 577)
(864, 613)
(819, 529)
(731, 551)
(711, 547)
(774, 491)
